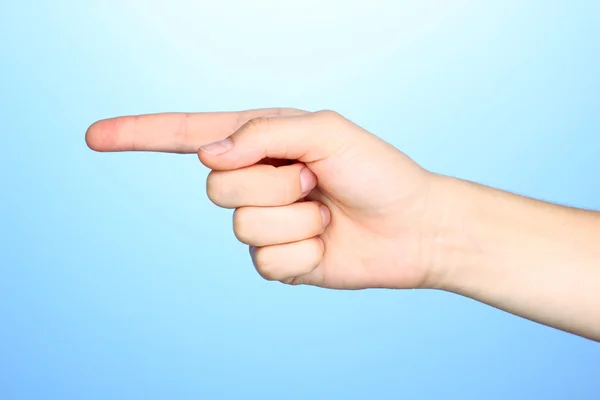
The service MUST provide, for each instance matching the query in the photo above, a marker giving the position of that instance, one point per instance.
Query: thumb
(307, 138)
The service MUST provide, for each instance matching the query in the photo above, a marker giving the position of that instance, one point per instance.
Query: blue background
(120, 280)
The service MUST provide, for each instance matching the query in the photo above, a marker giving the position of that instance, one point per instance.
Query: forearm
(534, 259)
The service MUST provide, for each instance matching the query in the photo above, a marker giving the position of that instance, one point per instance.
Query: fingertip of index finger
(101, 135)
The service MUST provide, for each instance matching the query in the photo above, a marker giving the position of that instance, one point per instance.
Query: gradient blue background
(120, 280)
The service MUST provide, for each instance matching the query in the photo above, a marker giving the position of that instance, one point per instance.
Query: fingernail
(325, 215)
(217, 148)
(308, 180)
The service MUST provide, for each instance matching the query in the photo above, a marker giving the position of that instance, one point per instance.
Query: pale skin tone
(320, 201)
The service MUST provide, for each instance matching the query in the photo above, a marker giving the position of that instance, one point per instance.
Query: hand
(319, 200)
(323, 202)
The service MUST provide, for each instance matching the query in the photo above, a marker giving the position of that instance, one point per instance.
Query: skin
(320, 201)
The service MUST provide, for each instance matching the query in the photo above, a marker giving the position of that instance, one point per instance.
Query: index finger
(181, 133)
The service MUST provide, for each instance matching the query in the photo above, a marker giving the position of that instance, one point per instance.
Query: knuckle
(182, 133)
(266, 273)
(213, 189)
(242, 224)
(257, 124)
(329, 115)
(264, 267)
(220, 190)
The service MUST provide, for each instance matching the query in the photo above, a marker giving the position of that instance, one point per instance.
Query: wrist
(453, 242)
(482, 235)
(528, 257)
